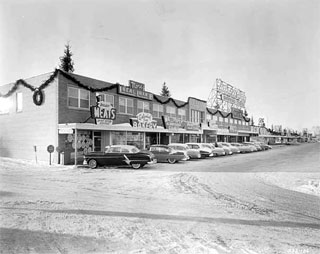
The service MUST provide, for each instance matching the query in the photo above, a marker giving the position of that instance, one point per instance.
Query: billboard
(230, 94)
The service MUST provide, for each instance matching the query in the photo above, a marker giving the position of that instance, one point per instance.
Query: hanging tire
(136, 165)
(172, 161)
(92, 163)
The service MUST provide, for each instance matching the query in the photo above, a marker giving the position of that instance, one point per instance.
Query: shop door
(97, 141)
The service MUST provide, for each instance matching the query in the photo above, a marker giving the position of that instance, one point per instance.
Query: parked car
(264, 146)
(164, 153)
(204, 151)
(234, 149)
(191, 153)
(254, 144)
(226, 149)
(217, 151)
(119, 155)
(243, 148)
(252, 147)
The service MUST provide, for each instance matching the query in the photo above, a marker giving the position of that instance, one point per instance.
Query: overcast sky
(268, 49)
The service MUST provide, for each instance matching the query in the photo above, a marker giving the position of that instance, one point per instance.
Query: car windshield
(179, 148)
(113, 149)
(192, 146)
(205, 145)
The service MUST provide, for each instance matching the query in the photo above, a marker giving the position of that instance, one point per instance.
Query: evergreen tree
(66, 60)
(165, 91)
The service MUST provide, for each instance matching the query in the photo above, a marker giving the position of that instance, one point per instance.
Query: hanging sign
(103, 113)
(171, 123)
(190, 126)
(143, 120)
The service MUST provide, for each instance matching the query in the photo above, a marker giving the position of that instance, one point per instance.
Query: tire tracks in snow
(190, 184)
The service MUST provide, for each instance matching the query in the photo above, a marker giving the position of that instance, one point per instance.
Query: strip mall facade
(79, 114)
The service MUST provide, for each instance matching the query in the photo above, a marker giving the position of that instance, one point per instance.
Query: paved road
(294, 158)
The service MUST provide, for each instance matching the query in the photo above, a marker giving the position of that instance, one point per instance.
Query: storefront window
(171, 111)
(128, 138)
(106, 98)
(143, 106)
(182, 114)
(157, 110)
(197, 116)
(78, 98)
(125, 105)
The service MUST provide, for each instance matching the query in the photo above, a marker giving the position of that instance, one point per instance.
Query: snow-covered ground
(183, 208)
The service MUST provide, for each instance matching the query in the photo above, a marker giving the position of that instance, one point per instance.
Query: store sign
(237, 113)
(212, 124)
(103, 113)
(126, 90)
(233, 129)
(136, 85)
(143, 120)
(190, 126)
(171, 123)
(243, 127)
(223, 131)
(66, 131)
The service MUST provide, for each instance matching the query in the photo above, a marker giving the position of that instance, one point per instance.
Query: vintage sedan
(234, 149)
(227, 150)
(204, 151)
(119, 155)
(216, 150)
(191, 153)
(243, 148)
(164, 153)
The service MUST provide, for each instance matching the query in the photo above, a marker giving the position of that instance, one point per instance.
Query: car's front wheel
(172, 161)
(93, 163)
(136, 165)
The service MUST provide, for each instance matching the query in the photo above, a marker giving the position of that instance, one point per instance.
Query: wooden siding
(34, 126)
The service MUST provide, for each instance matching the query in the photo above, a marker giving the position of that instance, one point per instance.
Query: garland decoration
(91, 89)
(216, 111)
(37, 97)
(168, 100)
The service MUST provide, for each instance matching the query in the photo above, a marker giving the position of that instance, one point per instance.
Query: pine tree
(66, 60)
(165, 91)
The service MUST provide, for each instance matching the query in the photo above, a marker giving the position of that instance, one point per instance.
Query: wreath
(37, 97)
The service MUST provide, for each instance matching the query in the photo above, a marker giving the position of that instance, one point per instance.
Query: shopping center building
(77, 114)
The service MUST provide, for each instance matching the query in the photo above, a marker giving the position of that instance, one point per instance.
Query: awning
(119, 127)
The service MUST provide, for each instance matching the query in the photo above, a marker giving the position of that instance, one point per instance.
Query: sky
(270, 49)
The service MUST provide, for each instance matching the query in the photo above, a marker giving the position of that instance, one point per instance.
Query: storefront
(76, 139)
(182, 131)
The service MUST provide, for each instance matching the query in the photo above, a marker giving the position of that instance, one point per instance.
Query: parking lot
(262, 202)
